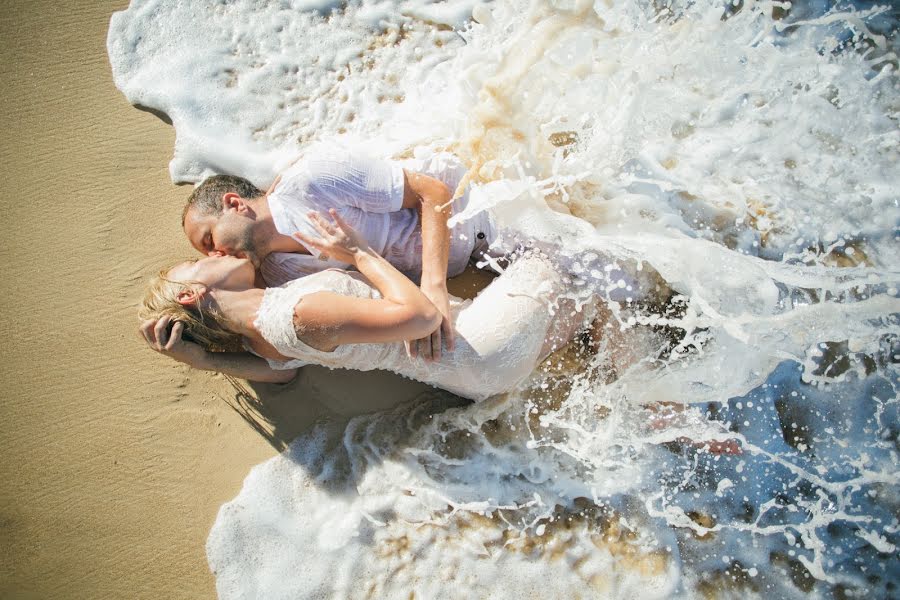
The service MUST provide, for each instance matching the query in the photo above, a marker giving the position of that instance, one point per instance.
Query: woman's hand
(339, 240)
(237, 364)
(157, 335)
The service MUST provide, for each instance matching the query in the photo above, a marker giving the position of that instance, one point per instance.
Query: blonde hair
(204, 327)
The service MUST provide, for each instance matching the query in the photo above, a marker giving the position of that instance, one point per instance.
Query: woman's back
(499, 336)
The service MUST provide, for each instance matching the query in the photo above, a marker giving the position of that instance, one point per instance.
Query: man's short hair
(206, 198)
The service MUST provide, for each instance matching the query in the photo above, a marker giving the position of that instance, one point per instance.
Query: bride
(343, 319)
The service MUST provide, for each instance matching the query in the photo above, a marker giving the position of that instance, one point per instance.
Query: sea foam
(739, 160)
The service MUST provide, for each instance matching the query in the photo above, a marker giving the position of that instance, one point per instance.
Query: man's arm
(237, 364)
(431, 198)
(351, 179)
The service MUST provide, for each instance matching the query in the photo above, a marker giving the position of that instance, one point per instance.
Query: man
(401, 208)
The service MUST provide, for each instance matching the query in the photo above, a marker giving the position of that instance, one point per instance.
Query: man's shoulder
(323, 160)
(310, 169)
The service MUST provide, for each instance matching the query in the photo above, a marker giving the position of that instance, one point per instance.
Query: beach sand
(115, 459)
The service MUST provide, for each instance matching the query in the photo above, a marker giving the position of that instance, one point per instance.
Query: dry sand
(115, 459)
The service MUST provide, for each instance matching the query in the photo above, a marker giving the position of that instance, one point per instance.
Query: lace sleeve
(275, 317)
(275, 320)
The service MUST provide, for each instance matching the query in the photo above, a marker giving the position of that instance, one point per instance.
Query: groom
(400, 207)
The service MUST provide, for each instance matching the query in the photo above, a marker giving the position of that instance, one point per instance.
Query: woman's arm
(237, 364)
(325, 320)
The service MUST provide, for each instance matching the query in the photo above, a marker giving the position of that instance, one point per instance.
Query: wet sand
(115, 459)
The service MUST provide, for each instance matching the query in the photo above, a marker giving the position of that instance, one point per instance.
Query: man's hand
(430, 347)
(157, 335)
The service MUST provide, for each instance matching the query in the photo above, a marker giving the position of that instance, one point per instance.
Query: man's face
(217, 235)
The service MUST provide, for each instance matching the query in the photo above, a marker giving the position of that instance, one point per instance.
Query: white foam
(246, 83)
(749, 163)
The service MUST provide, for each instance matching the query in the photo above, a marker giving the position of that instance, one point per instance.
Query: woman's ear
(190, 296)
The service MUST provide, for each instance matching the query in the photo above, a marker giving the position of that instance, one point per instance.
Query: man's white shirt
(368, 193)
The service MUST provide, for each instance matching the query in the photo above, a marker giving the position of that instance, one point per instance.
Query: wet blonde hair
(206, 327)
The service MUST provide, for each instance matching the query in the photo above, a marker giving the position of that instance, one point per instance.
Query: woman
(360, 320)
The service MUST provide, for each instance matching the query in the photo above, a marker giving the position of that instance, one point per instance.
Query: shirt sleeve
(280, 268)
(352, 179)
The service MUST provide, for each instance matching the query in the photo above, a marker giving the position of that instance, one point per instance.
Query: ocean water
(735, 436)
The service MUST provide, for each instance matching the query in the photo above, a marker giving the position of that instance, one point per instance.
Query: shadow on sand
(280, 413)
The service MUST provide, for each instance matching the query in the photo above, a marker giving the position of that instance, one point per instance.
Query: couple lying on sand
(320, 270)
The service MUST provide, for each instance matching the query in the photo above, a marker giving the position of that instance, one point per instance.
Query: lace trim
(275, 322)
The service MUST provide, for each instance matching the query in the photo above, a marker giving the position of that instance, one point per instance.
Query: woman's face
(217, 272)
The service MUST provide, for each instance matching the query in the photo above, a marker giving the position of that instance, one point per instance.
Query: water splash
(735, 433)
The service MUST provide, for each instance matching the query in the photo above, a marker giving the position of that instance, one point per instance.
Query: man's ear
(190, 296)
(233, 201)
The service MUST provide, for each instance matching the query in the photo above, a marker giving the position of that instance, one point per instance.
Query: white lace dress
(499, 335)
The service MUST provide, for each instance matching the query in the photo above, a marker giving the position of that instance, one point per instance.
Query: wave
(738, 160)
